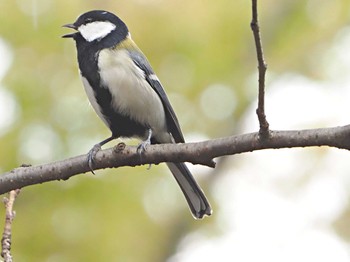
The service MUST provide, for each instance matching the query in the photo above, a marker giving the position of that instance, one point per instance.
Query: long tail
(194, 195)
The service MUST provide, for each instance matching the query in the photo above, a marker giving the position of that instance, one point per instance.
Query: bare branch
(7, 234)
(197, 153)
(260, 111)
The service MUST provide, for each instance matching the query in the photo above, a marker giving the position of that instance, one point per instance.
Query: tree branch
(262, 67)
(7, 234)
(197, 153)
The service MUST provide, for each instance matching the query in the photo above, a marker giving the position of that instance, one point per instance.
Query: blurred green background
(204, 54)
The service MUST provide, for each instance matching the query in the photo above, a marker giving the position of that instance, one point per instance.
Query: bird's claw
(91, 156)
(143, 146)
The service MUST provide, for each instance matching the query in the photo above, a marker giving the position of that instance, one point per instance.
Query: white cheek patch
(96, 30)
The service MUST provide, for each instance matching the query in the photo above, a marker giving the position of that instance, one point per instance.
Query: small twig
(260, 111)
(7, 234)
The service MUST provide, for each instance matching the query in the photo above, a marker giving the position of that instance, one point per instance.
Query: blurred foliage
(203, 53)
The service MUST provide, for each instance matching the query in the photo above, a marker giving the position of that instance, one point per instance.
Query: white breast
(132, 95)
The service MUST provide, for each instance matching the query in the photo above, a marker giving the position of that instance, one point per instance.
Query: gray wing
(173, 124)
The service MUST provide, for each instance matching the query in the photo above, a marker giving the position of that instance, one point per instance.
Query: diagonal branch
(260, 111)
(197, 153)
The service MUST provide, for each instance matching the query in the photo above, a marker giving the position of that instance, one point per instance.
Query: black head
(98, 25)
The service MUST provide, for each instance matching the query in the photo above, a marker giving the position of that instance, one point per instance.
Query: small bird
(127, 95)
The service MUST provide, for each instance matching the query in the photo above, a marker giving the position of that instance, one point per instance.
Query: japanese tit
(127, 95)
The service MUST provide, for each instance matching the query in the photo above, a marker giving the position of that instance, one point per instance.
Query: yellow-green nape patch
(127, 43)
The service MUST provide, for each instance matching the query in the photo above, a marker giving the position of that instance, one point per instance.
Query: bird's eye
(88, 20)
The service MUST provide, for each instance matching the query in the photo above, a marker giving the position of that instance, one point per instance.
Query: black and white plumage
(127, 95)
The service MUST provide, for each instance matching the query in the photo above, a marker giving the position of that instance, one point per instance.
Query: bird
(127, 95)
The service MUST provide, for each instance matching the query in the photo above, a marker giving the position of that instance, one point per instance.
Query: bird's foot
(142, 148)
(144, 144)
(91, 156)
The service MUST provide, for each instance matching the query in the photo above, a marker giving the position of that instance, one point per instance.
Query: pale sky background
(264, 212)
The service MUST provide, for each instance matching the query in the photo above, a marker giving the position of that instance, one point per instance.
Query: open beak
(72, 26)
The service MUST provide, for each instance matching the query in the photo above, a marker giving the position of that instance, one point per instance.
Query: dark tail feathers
(194, 195)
